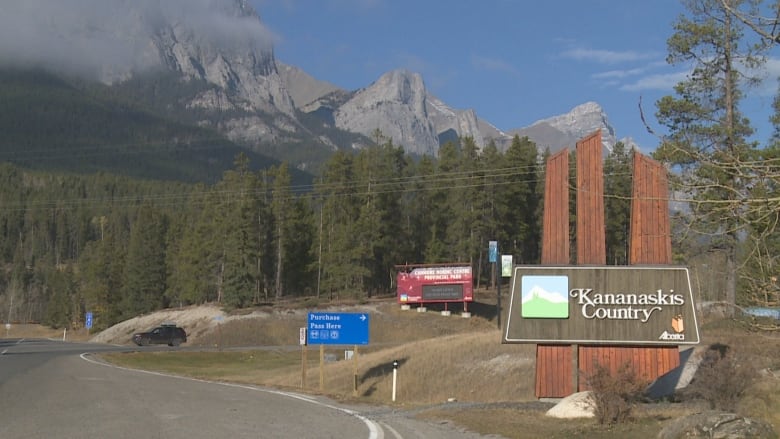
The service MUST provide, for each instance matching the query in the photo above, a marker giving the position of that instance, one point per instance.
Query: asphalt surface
(55, 389)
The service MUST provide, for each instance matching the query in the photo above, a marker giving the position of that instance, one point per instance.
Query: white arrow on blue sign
(338, 328)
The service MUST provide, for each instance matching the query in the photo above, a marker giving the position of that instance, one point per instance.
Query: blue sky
(513, 61)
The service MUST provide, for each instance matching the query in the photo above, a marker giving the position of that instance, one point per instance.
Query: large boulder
(717, 425)
(576, 405)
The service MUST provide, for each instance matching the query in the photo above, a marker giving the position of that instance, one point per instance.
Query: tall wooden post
(554, 362)
(559, 368)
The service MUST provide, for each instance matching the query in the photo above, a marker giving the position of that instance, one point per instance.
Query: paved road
(53, 389)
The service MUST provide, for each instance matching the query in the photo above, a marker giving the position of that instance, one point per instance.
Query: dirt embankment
(195, 320)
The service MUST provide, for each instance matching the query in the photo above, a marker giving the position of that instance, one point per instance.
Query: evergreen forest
(119, 247)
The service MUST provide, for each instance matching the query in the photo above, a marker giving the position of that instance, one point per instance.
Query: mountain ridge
(267, 106)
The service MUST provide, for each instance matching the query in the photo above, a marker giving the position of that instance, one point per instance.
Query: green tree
(238, 227)
(145, 270)
(465, 198)
(340, 263)
(291, 234)
(379, 172)
(762, 254)
(707, 143)
(519, 201)
(100, 275)
(617, 187)
(492, 172)
(415, 213)
(60, 308)
(440, 245)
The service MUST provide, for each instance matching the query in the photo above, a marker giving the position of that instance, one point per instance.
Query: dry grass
(471, 367)
(761, 350)
(40, 331)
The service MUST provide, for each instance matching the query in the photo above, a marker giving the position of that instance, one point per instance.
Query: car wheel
(175, 342)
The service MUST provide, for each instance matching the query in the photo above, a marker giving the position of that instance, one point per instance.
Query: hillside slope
(51, 124)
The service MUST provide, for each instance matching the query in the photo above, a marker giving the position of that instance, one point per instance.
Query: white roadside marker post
(395, 376)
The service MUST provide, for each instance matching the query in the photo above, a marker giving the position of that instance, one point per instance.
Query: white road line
(374, 431)
(392, 430)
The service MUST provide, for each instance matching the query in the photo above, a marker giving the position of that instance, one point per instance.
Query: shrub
(722, 378)
(311, 302)
(614, 396)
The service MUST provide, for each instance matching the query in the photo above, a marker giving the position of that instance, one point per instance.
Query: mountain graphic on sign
(538, 292)
(545, 302)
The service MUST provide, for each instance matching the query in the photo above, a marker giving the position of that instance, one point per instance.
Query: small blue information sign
(88, 320)
(338, 328)
(493, 251)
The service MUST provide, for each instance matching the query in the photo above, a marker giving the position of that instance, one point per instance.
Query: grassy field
(450, 368)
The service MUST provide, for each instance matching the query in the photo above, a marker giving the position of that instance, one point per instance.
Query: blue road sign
(88, 319)
(493, 251)
(338, 328)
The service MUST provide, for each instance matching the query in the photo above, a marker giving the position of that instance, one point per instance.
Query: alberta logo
(545, 297)
(678, 327)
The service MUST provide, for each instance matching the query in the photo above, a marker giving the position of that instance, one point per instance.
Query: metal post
(395, 376)
(303, 366)
(322, 367)
(498, 295)
(355, 358)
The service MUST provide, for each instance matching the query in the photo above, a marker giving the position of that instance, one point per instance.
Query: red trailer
(434, 283)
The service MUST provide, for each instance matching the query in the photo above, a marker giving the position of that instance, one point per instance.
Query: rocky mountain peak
(583, 120)
(304, 88)
(563, 131)
(233, 50)
(396, 105)
(451, 123)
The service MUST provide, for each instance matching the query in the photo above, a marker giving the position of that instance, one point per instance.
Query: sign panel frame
(416, 284)
(329, 328)
(616, 305)
(493, 252)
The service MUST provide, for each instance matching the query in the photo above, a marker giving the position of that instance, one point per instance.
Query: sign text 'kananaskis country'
(623, 306)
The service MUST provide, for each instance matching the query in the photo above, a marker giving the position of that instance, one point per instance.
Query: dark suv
(169, 334)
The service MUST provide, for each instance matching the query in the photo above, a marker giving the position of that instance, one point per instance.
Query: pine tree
(440, 243)
(192, 254)
(464, 199)
(379, 172)
(493, 169)
(100, 274)
(416, 213)
(708, 136)
(239, 230)
(340, 263)
(519, 201)
(145, 270)
(762, 253)
(617, 187)
(292, 235)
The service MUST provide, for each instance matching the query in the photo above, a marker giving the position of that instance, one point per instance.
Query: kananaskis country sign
(601, 304)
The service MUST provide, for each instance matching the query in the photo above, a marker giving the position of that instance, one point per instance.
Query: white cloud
(662, 81)
(493, 64)
(85, 36)
(619, 74)
(606, 56)
(770, 75)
